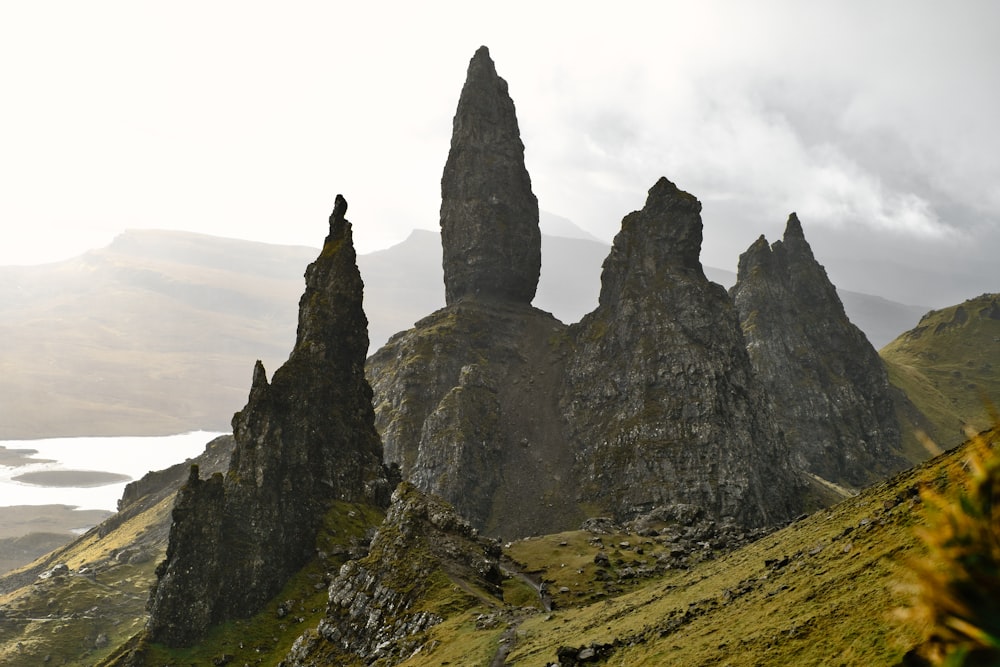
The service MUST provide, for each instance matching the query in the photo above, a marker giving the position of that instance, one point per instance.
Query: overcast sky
(876, 121)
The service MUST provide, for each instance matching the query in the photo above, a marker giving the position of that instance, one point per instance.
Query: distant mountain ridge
(157, 333)
(661, 423)
(947, 366)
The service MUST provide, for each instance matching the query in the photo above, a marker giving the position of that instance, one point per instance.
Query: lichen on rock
(305, 439)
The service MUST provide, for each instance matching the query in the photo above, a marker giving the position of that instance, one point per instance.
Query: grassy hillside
(949, 368)
(822, 591)
(155, 334)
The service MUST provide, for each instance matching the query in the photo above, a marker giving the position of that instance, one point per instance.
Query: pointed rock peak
(481, 64)
(794, 242)
(793, 228)
(671, 221)
(759, 247)
(489, 215)
(664, 238)
(301, 442)
(664, 192)
(259, 375)
(757, 255)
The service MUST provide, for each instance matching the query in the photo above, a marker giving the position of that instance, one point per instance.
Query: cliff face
(303, 440)
(528, 426)
(489, 215)
(660, 399)
(829, 388)
(466, 405)
(425, 562)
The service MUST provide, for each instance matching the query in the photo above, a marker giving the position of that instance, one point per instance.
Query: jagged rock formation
(303, 440)
(660, 399)
(829, 388)
(526, 426)
(465, 403)
(489, 215)
(381, 605)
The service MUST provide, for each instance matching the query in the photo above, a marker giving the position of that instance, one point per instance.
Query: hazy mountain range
(157, 332)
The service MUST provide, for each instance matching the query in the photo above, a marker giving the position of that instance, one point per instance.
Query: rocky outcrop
(828, 387)
(466, 405)
(528, 426)
(489, 215)
(463, 401)
(304, 440)
(156, 485)
(380, 606)
(660, 398)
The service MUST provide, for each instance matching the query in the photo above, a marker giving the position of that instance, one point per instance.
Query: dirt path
(509, 638)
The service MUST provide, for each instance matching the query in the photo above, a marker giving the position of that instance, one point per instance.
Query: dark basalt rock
(489, 215)
(829, 388)
(660, 398)
(528, 426)
(466, 403)
(303, 440)
(379, 606)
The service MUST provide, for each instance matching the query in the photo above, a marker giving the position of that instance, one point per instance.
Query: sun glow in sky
(876, 122)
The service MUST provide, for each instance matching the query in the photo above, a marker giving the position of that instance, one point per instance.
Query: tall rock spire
(659, 392)
(303, 441)
(829, 388)
(489, 215)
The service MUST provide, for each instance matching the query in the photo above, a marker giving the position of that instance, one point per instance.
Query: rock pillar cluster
(660, 395)
(305, 439)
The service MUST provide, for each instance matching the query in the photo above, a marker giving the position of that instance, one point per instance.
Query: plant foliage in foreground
(959, 581)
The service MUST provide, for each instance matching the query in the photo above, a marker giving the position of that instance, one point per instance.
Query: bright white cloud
(243, 119)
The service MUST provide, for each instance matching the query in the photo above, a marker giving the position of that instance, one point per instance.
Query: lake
(87, 473)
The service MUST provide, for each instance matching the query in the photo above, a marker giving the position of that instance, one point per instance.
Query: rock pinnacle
(828, 385)
(489, 215)
(304, 440)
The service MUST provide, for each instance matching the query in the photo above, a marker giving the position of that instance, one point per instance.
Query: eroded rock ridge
(304, 439)
(829, 388)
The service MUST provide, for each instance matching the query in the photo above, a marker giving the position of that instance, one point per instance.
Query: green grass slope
(822, 591)
(949, 368)
(78, 615)
(825, 590)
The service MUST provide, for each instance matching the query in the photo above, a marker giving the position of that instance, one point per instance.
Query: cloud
(876, 122)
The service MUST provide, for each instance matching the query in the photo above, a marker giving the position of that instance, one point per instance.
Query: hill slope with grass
(823, 590)
(948, 368)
